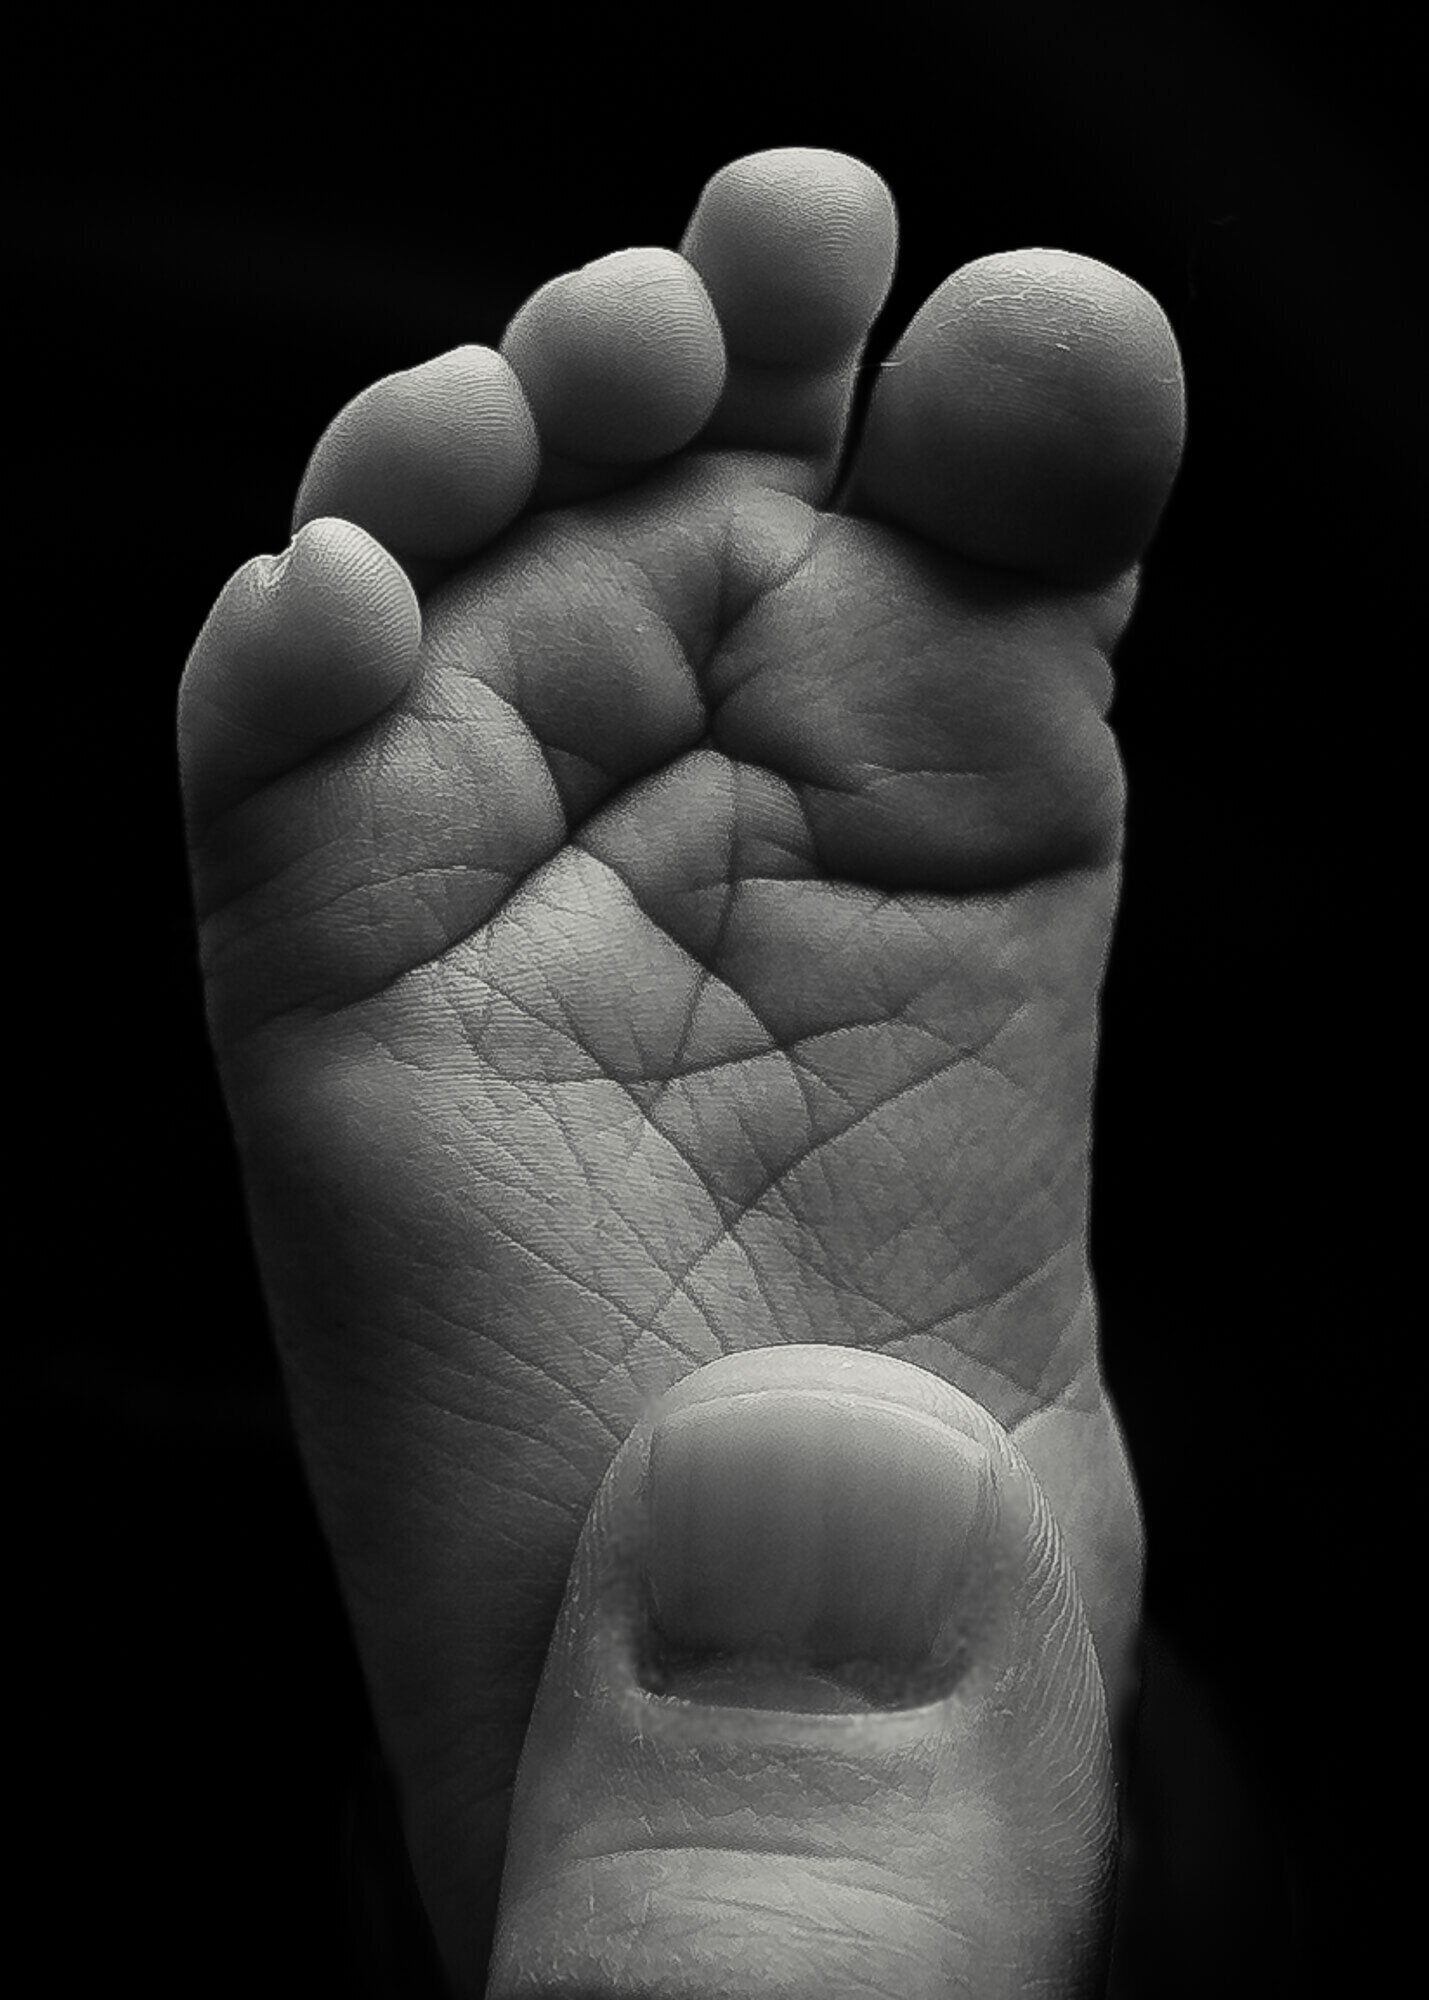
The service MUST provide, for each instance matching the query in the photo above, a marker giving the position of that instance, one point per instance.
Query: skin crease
(599, 954)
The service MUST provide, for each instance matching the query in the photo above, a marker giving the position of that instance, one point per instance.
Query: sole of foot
(655, 858)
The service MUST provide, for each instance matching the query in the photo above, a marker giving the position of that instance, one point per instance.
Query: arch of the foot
(1031, 417)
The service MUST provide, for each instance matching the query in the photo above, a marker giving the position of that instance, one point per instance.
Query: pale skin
(654, 868)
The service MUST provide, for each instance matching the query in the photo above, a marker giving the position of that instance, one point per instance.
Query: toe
(1031, 417)
(796, 248)
(621, 363)
(299, 650)
(433, 462)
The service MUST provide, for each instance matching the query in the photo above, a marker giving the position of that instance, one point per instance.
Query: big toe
(821, 1697)
(1031, 417)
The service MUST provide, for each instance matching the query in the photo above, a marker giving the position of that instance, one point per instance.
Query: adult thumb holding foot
(821, 1716)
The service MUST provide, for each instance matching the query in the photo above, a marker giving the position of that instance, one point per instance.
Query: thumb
(821, 1715)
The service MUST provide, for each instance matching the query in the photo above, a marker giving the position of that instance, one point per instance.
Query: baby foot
(682, 932)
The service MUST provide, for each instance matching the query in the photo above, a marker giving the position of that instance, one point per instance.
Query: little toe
(1031, 417)
(621, 363)
(433, 461)
(796, 248)
(299, 650)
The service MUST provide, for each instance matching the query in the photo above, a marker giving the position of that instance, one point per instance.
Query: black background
(222, 225)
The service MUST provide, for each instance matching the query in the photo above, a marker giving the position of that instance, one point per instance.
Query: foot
(653, 899)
